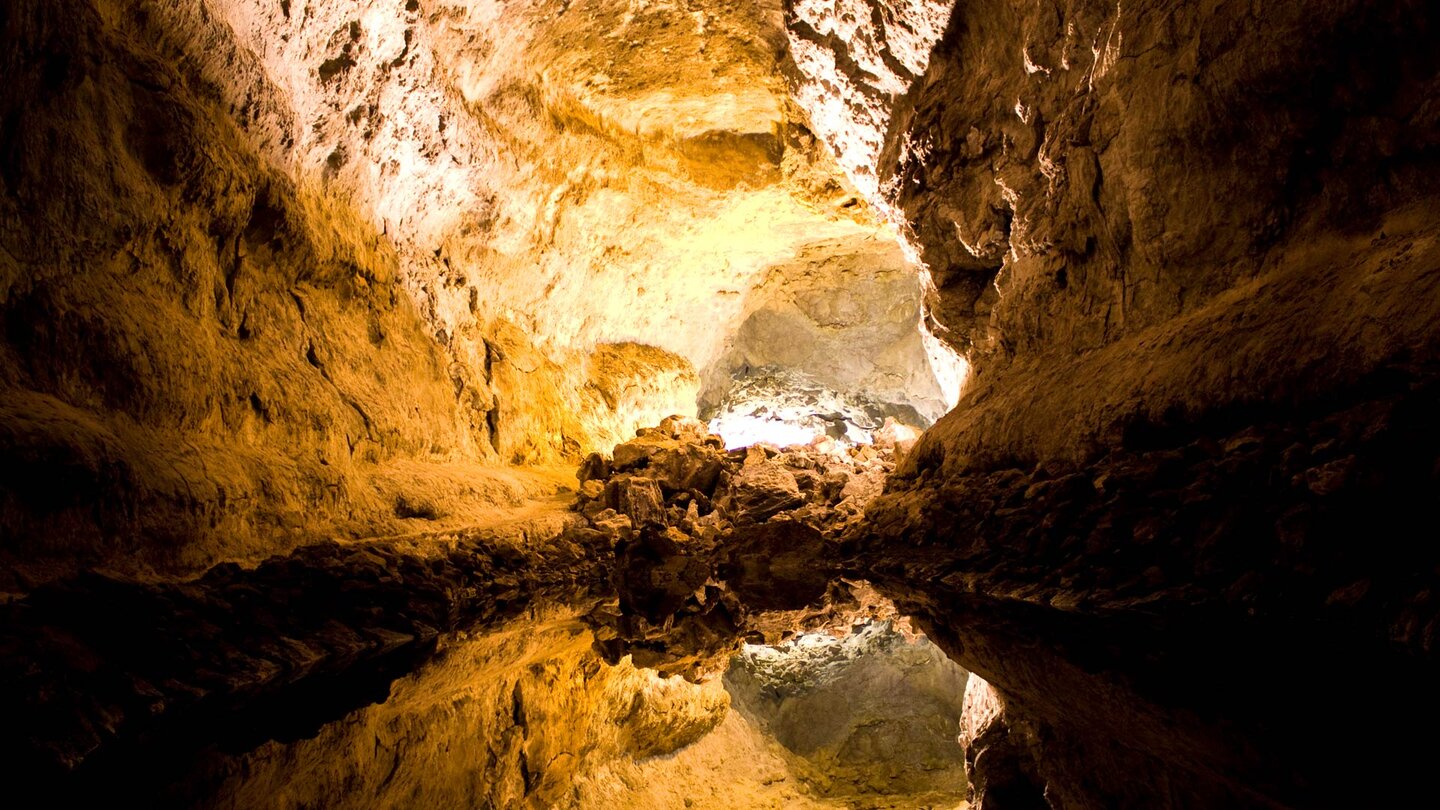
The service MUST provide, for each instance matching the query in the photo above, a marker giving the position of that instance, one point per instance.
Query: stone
(638, 451)
(1000, 771)
(761, 490)
(703, 574)
(276, 272)
(595, 466)
(685, 429)
(899, 436)
(614, 525)
(640, 499)
(687, 467)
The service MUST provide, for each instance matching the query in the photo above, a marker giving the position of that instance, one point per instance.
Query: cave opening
(719, 403)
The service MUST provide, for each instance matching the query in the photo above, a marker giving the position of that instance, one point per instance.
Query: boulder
(595, 466)
(637, 452)
(761, 490)
(687, 467)
(638, 498)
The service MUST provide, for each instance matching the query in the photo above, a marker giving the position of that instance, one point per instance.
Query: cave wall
(277, 270)
(203, 356)
(1157, 153)
(847, 315)
(1190, 252)
(873, 714)
(273, 271)
(1167, 208)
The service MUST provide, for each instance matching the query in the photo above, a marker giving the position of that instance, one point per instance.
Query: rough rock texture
(1001, 770)
(777, 406)
(275, 271)
(704, 775)
(847, 316)
(1189, 250)
(874, 713)
(854, 61)
(1111, 603)
(1119, 165)
(262, 264)
(195, 345)
(711, 547)
(207, 354)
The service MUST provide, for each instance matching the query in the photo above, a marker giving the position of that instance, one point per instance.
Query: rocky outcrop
(1170, 608)
(515, 714)
(1188, 251)
(1078, 171)
(854, 63)
(844, 316)
(197, 347)
(711, 547)
(275, 272)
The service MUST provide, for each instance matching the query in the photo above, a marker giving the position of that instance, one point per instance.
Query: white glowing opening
(788, 648)
(742, 431)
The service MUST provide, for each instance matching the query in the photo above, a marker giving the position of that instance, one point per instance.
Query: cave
(991, 404)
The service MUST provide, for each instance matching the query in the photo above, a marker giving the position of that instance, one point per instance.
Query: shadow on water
(116, 687)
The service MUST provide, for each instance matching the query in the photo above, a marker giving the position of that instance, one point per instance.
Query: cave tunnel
(992, 404)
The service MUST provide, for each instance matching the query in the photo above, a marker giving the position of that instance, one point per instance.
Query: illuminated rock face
(857, 59)
(845, 314)
(277, 271)
(597, 172)
(1191, 254)
(272, 272)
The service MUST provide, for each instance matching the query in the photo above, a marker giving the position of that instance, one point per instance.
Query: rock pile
(712, 547)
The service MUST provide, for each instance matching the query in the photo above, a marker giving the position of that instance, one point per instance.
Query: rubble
(714, 547)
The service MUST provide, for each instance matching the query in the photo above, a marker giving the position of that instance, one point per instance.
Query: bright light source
(785, 407)
(742, 431)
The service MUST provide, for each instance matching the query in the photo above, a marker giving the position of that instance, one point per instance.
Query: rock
(687, 467)
(864, 486)
(595, 465)
(807, 480)
(697, 575)
(761, 490)
(900, 437)
(658, 572)
(614, 525)
(667, 714)
(638, 451)
(827, 346)
(776, 566)
(308, 638)
(638, 498)
(1000, 771)
(1330, 477)
(833, 484)
(685, 429)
